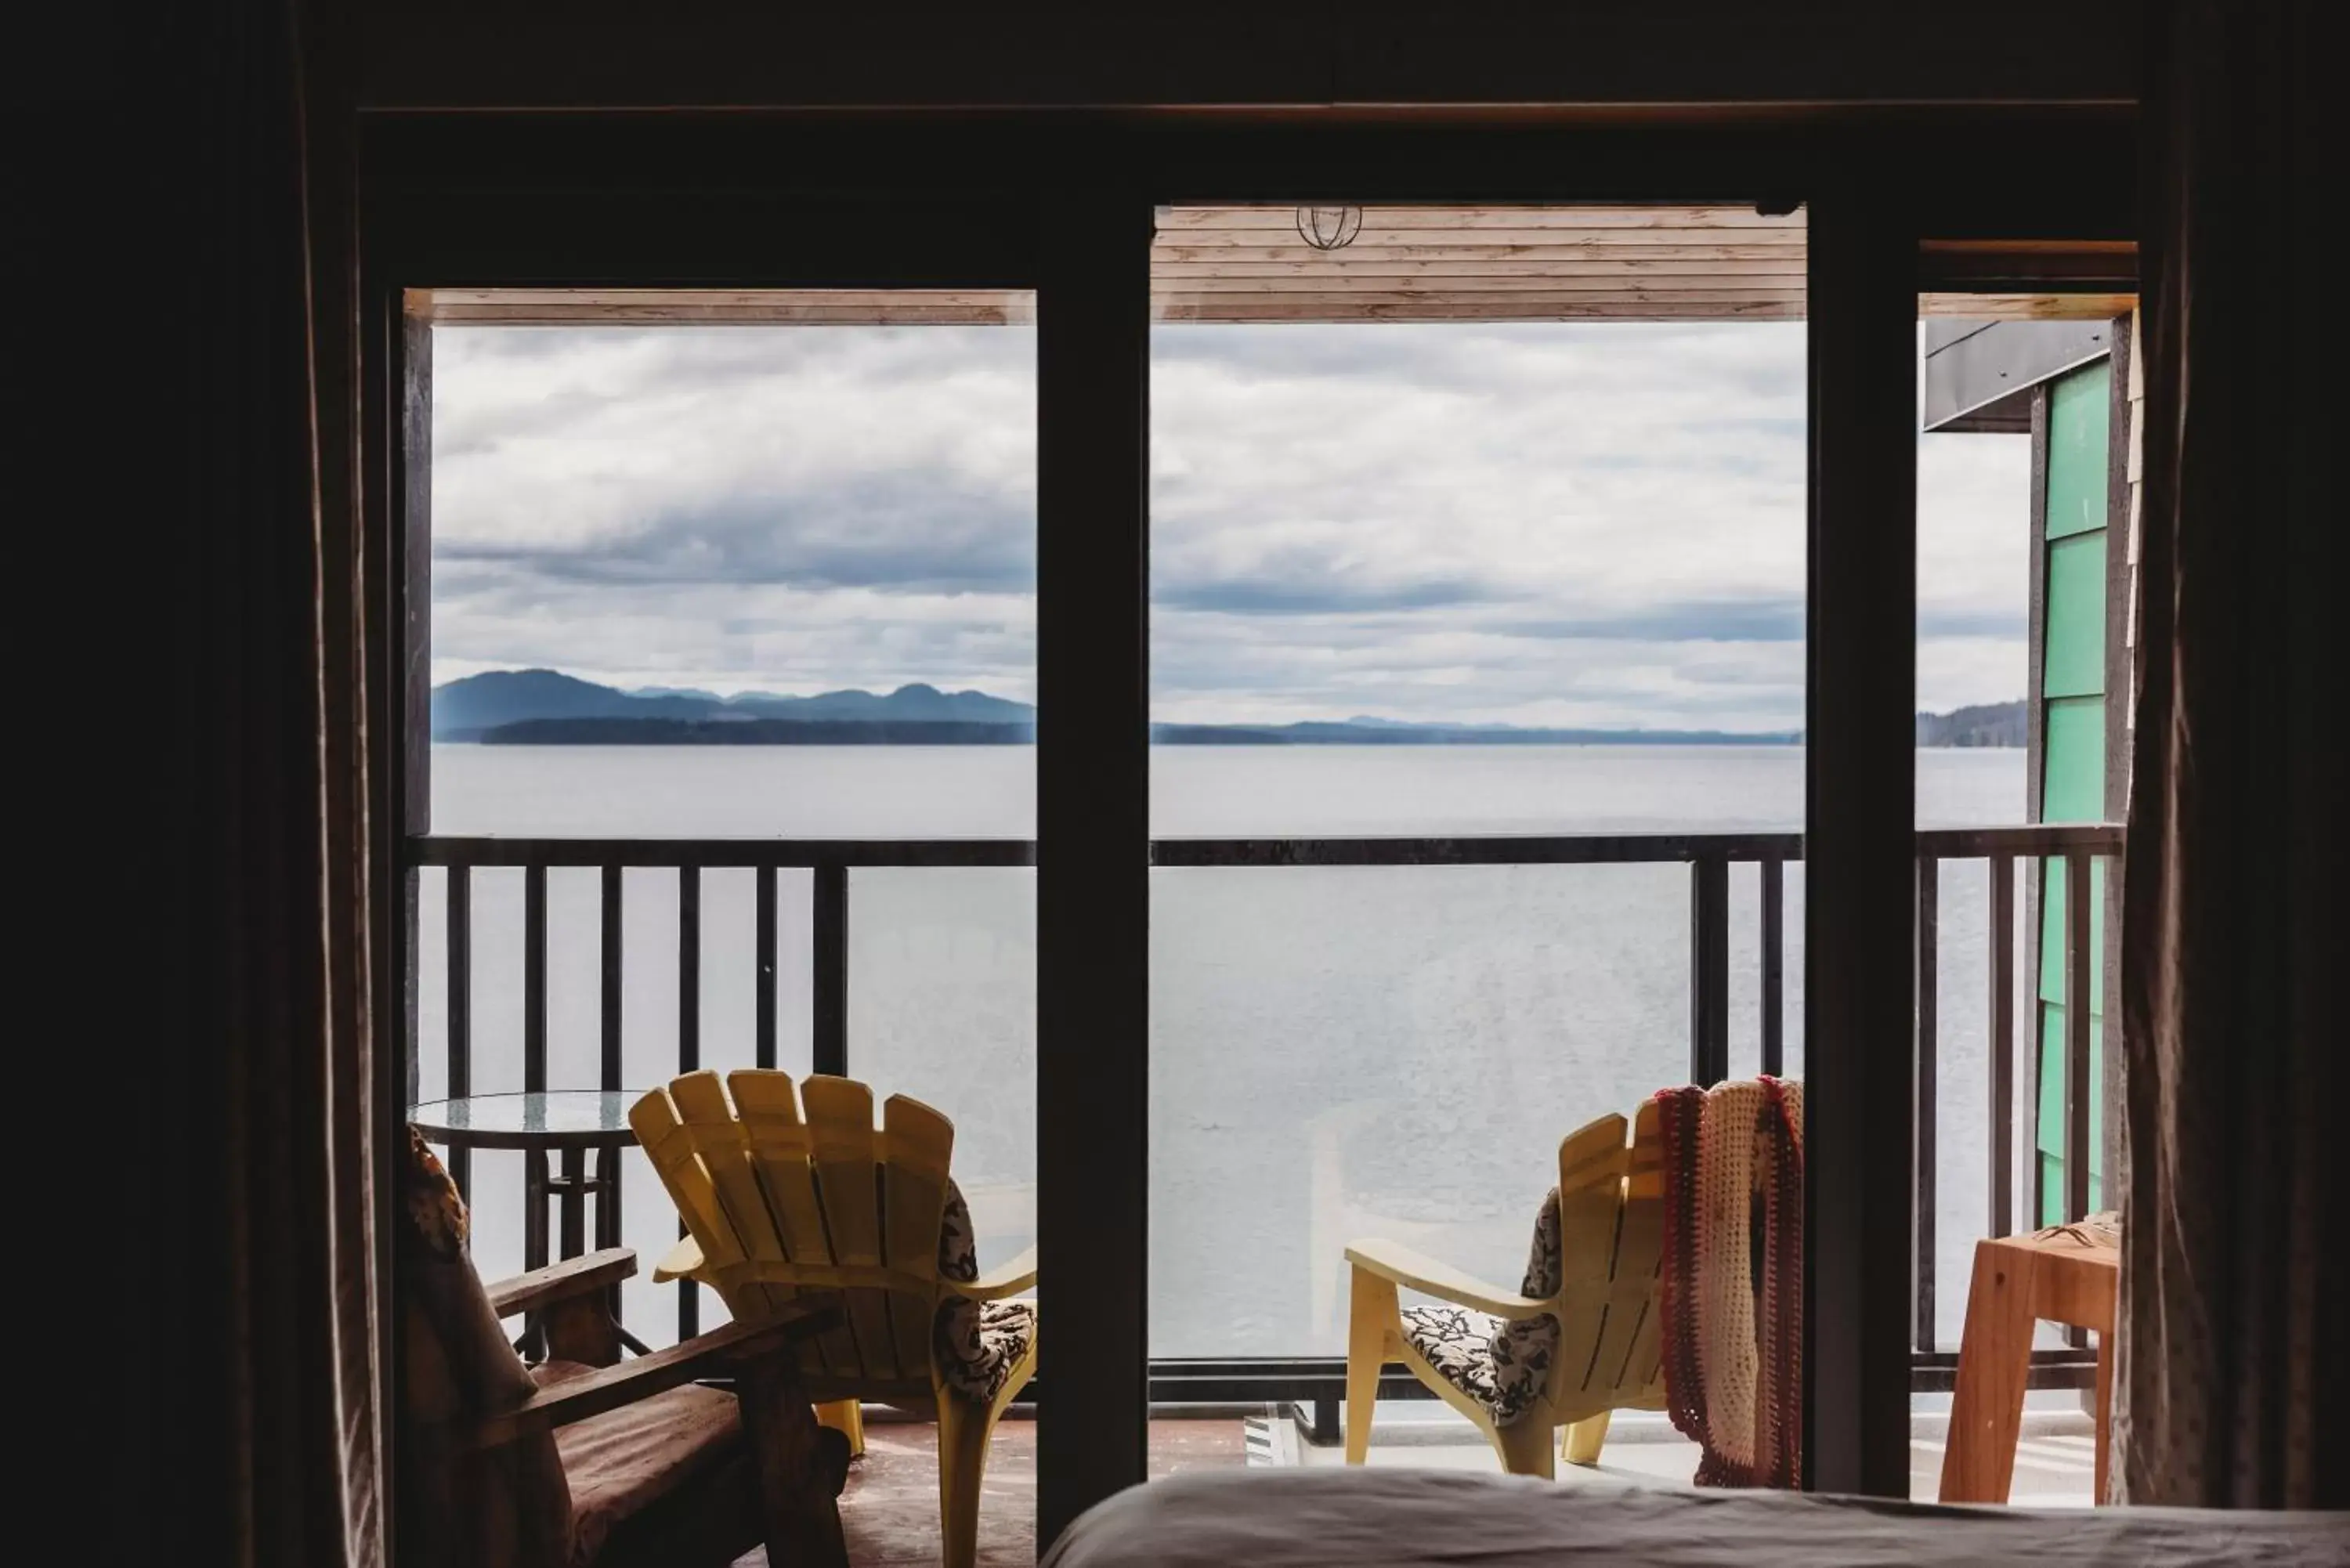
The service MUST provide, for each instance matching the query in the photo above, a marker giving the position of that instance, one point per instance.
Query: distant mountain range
(549, 702)
(1984, 724)
(546, 707)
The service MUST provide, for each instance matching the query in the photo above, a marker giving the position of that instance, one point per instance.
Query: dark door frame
(1061, 203)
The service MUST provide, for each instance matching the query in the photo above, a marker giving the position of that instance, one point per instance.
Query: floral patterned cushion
(1459, 1343)
(978, 1343)
(1499, 1362)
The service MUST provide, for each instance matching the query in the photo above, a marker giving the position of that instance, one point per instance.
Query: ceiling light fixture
(1329, 228)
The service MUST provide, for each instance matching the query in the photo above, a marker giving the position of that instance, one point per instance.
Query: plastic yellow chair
(788, 1191)
(1492, 1354)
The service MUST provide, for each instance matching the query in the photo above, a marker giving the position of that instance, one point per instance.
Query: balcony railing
(1321, 1380)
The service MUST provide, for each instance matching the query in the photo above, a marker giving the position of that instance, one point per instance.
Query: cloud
(1592, 522)
(909, 529)
(701, 454)
(1778, 620)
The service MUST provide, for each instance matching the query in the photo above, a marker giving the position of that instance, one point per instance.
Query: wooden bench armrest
(1415, 1272)
(1004, 1279)
(705, 1355)
(560, 1281)
(681, 1261)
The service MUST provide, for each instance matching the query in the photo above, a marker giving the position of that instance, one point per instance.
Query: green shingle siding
(2073, 617)
(2072, 738)
(2080, 414)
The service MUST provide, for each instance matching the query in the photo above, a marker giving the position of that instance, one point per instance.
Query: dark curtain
(203, 325)
(2230, 1390)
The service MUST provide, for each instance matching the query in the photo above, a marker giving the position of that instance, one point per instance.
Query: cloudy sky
(1573, 524)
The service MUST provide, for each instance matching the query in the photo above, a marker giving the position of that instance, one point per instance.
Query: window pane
(2015, 458)
(767, 575)
(1467, 523)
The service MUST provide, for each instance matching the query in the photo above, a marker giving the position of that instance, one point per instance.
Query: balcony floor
(890, 1510)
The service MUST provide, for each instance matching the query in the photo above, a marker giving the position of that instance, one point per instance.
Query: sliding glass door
(1448, 672)
(1477, 775)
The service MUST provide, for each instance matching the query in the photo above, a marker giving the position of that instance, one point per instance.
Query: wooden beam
(623, 307)
(2027, 307)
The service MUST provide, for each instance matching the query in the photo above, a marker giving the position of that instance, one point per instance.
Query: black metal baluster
(609, 1066)
(689, 967)
(460, 1012)
(689, 1045)
(537, 1187)
(764, 968)
(2035, 1085)
(1930, 915)
(830, 979)
(2077, 1033)
(533, 981)
(2000, 943)
(411, 953)
(1774, 963)
(2076, 1046)
(1709, 969)
(609, 1070)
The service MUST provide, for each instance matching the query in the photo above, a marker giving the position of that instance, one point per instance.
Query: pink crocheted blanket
(1732, 1277)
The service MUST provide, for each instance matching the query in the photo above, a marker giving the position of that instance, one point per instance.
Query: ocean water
(1334, 1051)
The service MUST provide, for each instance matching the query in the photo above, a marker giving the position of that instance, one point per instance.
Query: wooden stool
(2067, 1274)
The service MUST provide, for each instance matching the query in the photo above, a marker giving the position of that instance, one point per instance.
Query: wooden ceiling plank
(1340, 312)
(1467, 287)
(1531, 300)
(1575, 250)
(1375, 236)
(1452, 219)
(1445, 283)
(1421, 267)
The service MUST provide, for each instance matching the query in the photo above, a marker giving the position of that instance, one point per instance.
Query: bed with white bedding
(1395, 1517)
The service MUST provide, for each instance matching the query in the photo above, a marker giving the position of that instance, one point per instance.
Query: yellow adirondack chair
(1491, 1355)
(785, 1192)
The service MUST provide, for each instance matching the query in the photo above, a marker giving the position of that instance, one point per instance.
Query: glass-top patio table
(566, 1123)
(543, 1119)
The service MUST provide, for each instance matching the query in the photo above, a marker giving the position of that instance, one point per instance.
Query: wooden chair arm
(705, 1355)
(680, 1261)
(684, 1261)
(1004, 1279)
(1415, 1272)
(560, 1281)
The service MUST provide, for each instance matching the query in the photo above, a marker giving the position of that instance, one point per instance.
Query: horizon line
(655, 690)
